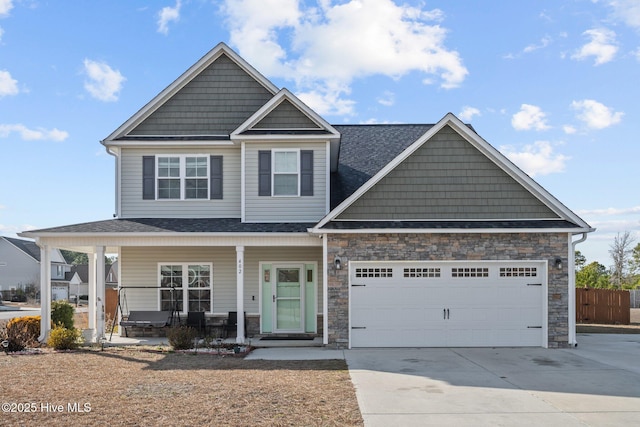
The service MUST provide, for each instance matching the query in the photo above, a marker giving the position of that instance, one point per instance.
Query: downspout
(572, 289)
(115, 152)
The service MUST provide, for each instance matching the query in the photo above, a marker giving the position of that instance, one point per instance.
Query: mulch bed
(125, 386)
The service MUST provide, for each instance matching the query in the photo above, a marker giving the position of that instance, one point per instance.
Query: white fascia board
(450, 230)
(267, 108)
(171, 143)
(483, 146)
(193, 71)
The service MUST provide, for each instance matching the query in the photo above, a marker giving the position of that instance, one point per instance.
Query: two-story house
(233, 195)
(20, 269)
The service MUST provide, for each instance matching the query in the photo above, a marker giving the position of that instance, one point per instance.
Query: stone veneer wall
(446, 247)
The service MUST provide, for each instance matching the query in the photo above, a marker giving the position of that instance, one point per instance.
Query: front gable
(211, 99)
(285, 117)
(447, 178)
(214, 102)
(450, 176)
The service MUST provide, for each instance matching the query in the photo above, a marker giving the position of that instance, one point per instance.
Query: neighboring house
(111, 280)
(20, 269)
(79, 280)
(233, 195)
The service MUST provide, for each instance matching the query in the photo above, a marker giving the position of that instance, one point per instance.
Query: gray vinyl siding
(215, 102)
(17, 268)
(282, 209)
(131, 187)
(286, 116)
(447, 178)
(139, 267)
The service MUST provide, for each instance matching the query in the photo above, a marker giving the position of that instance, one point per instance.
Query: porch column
(91, 304)
(100, 285)
(325, 291)
(45, 292)
(240, 293)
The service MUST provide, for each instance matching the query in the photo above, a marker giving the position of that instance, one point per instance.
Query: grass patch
(152, 386)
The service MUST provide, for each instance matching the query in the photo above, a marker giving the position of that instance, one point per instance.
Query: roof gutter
(573, 231)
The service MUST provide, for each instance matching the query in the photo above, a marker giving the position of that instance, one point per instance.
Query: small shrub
(181, 337)
(21, 332)
(62, 338)
(62, 314)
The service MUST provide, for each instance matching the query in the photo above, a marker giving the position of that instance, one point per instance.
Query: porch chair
(231, 324)
(196, 320)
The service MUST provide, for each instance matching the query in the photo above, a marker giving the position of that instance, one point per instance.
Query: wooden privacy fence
(110, 302)
(606, 306)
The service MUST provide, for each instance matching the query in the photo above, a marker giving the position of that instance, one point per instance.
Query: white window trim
(182, 176)
(185, 283)
(274, 173)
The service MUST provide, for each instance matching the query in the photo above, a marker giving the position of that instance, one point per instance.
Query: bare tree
(621, 254)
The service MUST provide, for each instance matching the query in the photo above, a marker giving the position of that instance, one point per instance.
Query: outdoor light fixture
(558, 262)
(338, 263)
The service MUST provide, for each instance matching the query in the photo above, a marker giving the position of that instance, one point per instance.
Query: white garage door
(59, 293)
(448, 304)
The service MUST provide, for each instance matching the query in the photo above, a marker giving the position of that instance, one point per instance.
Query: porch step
(287, 340)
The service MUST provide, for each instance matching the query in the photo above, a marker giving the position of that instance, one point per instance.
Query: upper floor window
(285, 173)
(181, 177)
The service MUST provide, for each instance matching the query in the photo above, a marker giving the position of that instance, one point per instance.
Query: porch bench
(146, 319)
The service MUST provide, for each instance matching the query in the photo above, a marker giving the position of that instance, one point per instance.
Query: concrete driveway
(595, 384)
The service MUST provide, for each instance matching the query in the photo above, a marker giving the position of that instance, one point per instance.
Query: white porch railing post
(45, 292)
(240, 293)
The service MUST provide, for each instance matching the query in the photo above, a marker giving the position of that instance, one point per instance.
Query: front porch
(276, 280)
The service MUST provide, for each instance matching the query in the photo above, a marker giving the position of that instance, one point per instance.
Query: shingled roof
(365, 150)
(27, 246)
(179, 225)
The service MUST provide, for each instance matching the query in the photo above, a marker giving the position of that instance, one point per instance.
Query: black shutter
(148, 177)
(264, 173)
(306, 173)
(215, 177)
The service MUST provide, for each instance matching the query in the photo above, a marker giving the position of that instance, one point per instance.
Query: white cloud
(536, 159)
(387, 99)
(468, 113)
(330, 45)
(611, 211)
(596, 115)
(529, 117)
(166, 15)
(104, 83)
(38, 134)
(627, 11)
(544, 42)
(602, 46)
(5, 7)
(569, 130)
(8, 85)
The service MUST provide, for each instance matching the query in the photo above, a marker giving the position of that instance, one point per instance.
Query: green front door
(288, 300)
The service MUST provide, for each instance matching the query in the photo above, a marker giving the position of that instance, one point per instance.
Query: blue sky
(553, 84)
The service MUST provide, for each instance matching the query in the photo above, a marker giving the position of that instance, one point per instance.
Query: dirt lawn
(150, 386)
